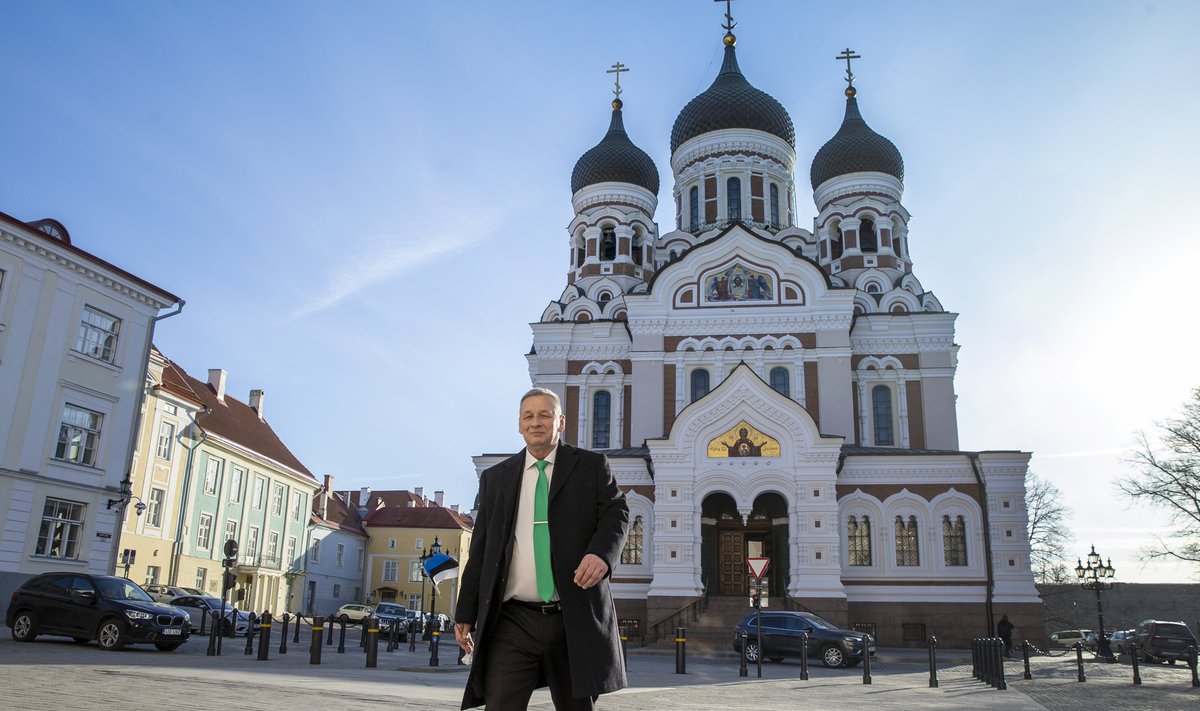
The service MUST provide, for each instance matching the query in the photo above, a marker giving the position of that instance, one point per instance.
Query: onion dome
(855, 148)
(731, 102)
(615, 159)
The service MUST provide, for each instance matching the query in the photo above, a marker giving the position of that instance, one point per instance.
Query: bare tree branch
(1048, 532)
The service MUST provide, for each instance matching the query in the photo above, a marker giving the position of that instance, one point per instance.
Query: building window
(252, 543)
(907, 553)
(152, 573)
(635, 248)
(62, 524)
(273, 549)
(231, 531)
(632, 552)
(954, 540)
(881, 408)
(201, 578)
(733, 198)
(601, 416)
(314, 551)
(155, 507)
(608, 244)
(260, 485)
(858, 539)
(837, 244)
(341, 555)
(390, 570)
(694, 206)
(414, 571)
(337, 590)
(166, 440)
(212, 474)
(236, 481)
(392, 544)
(358, 593)
(780, 381)
(420, 543)
(359, 562)
(868, 241)
(204, 532)
(78, 435)
(699, 383)
(277, 500)
(297, 501)
(774, 205)
(98, 334)
(290, 554)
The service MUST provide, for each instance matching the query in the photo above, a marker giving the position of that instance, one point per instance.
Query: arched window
(906, 542)
(733, 198)
(632, 552)
(774, 205)
(858, 538)
(608, 244)
(873, 287)
(636, 247)
(780, 381)
(836, 244)
(603, 296)
(868, 241)
(601, 416)
(881, 408)
(694, 206)
(699, 383)
(580, 249)
(954, 540)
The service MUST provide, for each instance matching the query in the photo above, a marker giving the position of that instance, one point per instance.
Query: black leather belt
(546, 608)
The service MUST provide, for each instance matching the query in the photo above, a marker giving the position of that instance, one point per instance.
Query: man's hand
(591, 570)
(462, 633)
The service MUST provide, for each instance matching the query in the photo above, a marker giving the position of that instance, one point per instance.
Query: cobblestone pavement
(52, 674)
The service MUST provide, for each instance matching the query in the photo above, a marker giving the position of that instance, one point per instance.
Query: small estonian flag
(441, 567)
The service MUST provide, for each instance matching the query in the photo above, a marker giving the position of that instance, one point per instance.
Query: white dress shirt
(522, 569)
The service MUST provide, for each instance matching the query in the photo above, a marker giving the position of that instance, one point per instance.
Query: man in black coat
(527, 629)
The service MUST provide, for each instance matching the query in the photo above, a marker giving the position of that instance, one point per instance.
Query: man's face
(540, 424)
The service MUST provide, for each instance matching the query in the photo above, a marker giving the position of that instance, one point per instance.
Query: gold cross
(848, 55)
(617, 69)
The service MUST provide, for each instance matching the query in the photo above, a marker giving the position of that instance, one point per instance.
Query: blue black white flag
(441, 567)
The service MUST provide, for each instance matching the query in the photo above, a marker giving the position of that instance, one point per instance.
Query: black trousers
(526, 646)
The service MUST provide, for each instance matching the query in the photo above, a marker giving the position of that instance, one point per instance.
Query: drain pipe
(126, 491)
(989, 610)
(184, 491)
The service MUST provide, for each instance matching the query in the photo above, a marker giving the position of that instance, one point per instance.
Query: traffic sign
(758, 566)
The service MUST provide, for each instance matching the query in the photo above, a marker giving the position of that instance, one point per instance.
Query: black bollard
(1001, 684)
(804, 656)
(433, 647)
(329, 637)
(1192, 664)
(933, 680)
(371, 641)
(866, 652)
(989, 656)
(264, 637)
(742, 671)
(213, 636)
(314, 649)
(362, 634)
(283, 635)
(250, 634)
(1025, 656)
(1079, 660)
(681, 650)
(204, 622)
(296, 639)
(1137, 672)
(412, 635)
(975, 658)
(393, 636)
(342, 635)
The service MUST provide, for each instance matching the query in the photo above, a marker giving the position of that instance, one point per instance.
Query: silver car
(197, 606)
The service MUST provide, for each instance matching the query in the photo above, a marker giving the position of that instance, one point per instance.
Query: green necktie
(541, 534)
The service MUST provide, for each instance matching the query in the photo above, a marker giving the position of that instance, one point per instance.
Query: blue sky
(365, 203)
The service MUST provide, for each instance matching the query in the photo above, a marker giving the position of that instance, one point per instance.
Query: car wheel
(345, 620)
(166, 646)
(832, 656)
(775, 660)
(111, 634)
(24, 627)
(752, 652)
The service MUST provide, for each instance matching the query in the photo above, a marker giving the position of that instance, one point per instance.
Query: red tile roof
(338, 514)
(418, 517)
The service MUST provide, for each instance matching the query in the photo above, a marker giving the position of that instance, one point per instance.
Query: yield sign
(758, 566)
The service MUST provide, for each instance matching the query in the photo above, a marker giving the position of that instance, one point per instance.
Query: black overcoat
(587, 514)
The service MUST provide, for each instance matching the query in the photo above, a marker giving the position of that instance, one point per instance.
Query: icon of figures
(738, 284)
(743, 446)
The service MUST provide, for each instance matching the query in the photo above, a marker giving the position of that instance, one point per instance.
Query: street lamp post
(435, 549)
(425, 555)
(1097, 576)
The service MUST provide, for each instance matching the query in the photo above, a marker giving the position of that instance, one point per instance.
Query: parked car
(165, 593)
(834, 646)
(1162, 641)
(1068, 638)
(1120, 641)
(388, 613)
(197, 606)
(353, 613)
(113, 611)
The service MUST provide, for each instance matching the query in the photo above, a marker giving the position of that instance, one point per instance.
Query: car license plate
(172, 631)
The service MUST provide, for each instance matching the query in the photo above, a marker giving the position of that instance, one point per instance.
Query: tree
(1048, 532)
(1169, 479)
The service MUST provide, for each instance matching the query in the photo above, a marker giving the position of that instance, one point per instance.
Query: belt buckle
(548, 607)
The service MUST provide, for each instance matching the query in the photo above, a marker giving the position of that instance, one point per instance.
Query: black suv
(113, 611)
(1159, 641)
(781, 631)
(388, 613)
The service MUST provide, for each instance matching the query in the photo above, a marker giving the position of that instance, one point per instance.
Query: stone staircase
(714, 630)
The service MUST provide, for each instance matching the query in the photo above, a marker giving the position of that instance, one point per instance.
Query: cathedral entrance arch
(726, 540)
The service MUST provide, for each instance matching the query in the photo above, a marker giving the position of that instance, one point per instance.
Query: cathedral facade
(767, 390)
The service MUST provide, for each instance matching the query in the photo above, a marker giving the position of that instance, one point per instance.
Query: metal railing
(688, 613)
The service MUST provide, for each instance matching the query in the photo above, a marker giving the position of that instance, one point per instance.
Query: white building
(75, 334)
(768, 390)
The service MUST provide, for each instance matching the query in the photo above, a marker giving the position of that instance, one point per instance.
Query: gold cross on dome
(848, 55)
(729, 23)
(617, 69)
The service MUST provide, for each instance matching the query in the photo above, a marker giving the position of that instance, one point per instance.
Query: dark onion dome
(855, 148)
(731, 102)
(615, 159)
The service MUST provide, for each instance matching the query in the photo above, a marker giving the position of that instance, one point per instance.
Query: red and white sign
(758, 566)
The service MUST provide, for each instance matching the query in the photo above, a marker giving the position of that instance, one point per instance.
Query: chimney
(419, 492)
(326, 492)
(256, 401)
(216, 379)
(439, 497)
(454, 508)
(364, 495)
(410, 504)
